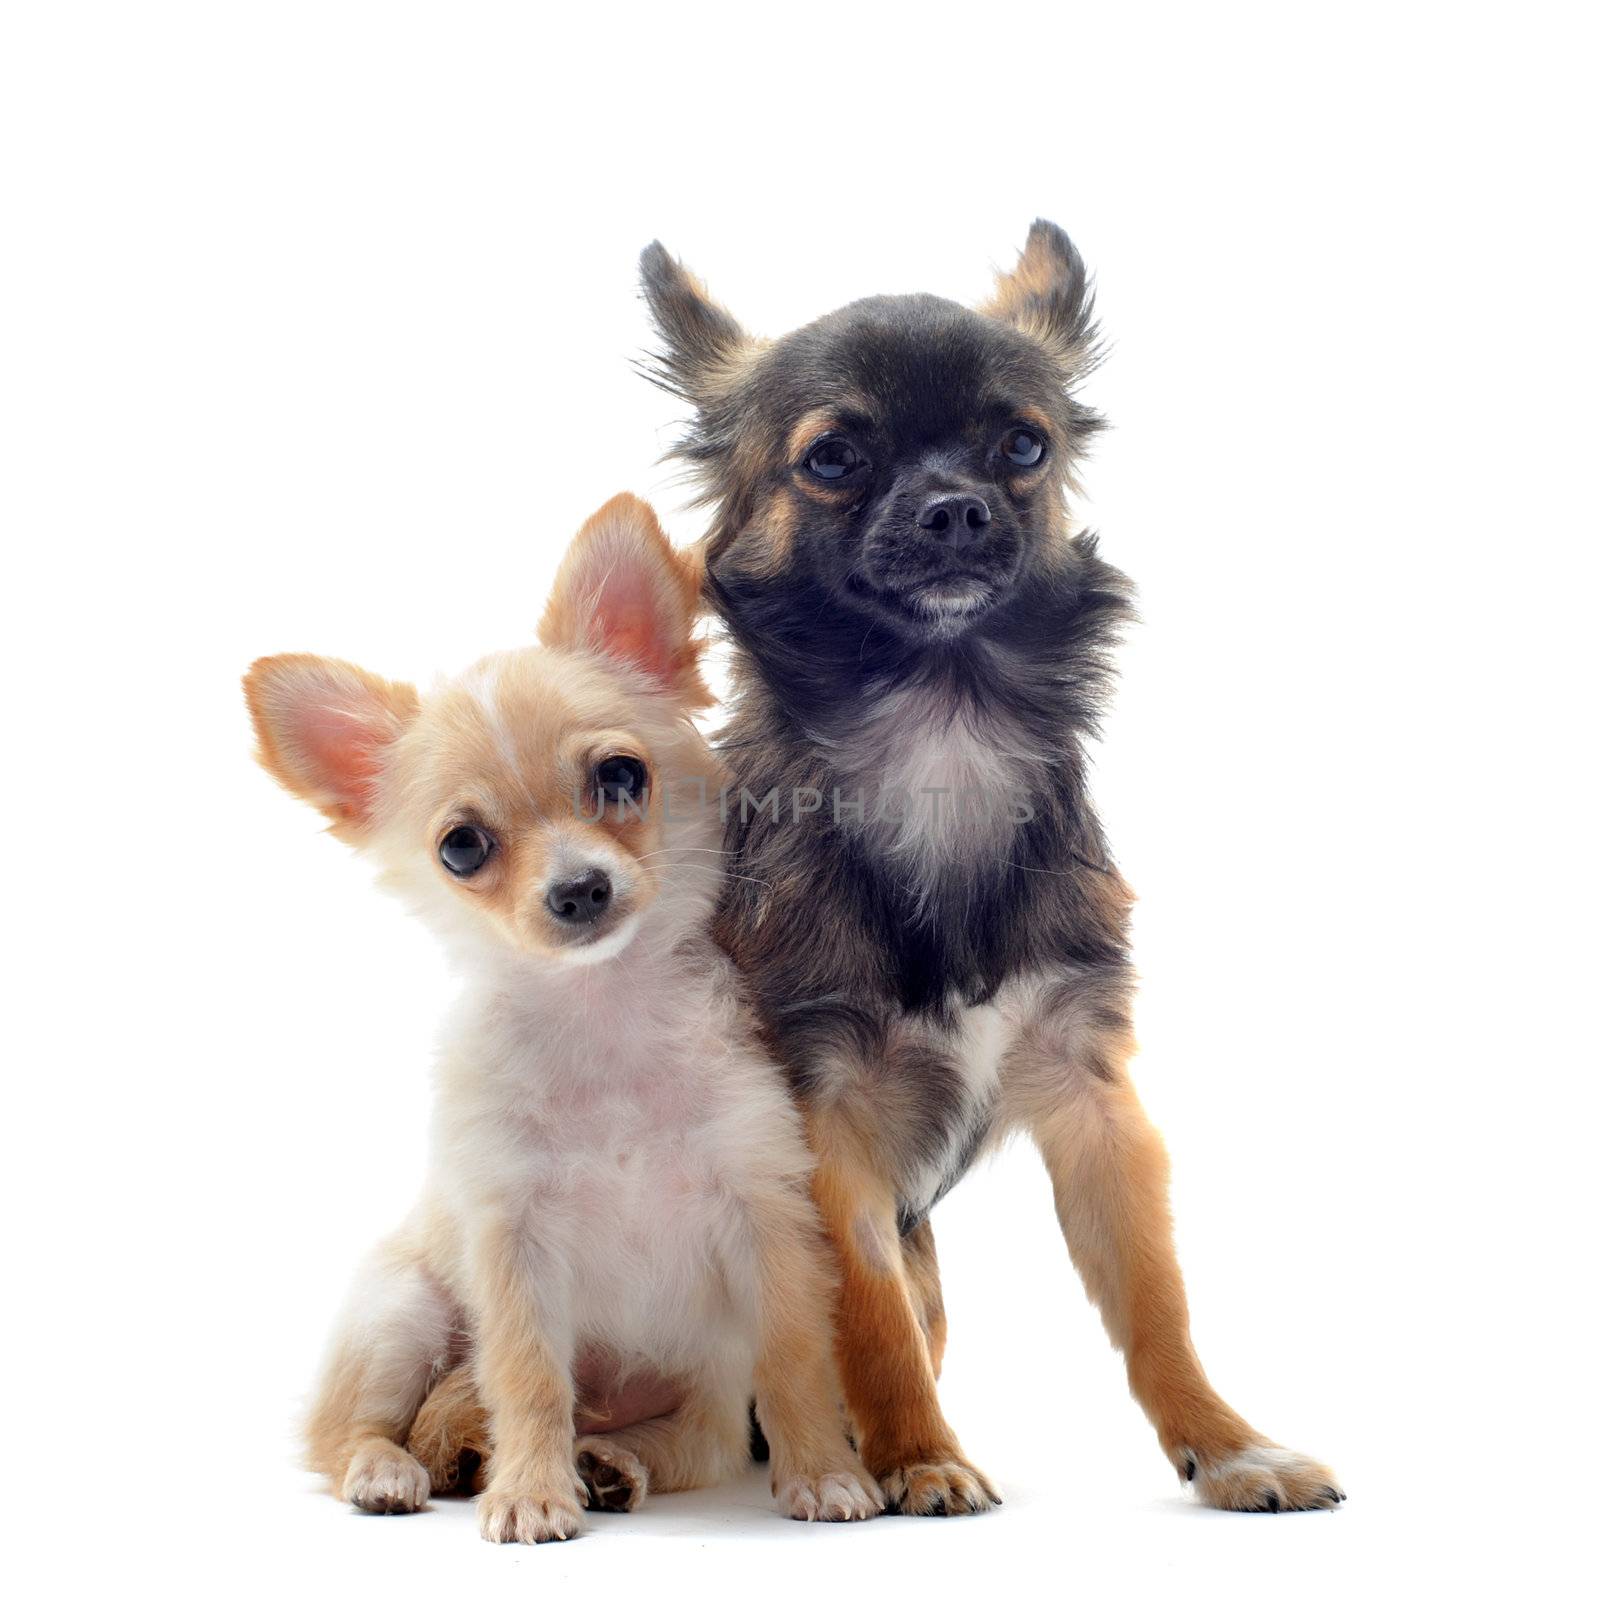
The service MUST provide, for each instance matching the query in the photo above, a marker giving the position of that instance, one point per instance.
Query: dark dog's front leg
(1109, 1170)
(885, 1363)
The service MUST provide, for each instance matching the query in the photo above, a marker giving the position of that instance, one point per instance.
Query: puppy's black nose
(956, 520)
(581, 899)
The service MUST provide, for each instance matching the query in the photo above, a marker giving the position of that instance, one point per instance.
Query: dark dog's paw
(1262, 1477)
(950, 1488)
(614, 1479)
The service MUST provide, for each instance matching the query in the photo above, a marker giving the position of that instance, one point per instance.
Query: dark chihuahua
(925, 905)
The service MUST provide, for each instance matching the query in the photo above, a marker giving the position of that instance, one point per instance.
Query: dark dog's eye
(833, 459)
(620, 778)
(464, 850)
(1022, 448)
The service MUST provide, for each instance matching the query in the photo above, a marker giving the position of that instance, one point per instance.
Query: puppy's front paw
(844, 1494)
(383, 1479)
(507, 1517)
(1262, 1477)
(614, 1479)
(952, 1488)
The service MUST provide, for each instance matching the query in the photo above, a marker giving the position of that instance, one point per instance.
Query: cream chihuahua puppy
(617, 1221)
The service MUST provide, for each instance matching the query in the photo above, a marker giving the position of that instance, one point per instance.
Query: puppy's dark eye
(1022, 448)
(832, 460)
(464, 850)
(620, 778)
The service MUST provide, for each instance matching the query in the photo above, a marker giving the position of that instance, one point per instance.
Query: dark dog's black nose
(580, 899)
(957, 520)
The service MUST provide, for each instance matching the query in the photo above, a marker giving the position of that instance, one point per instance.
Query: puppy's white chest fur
(634, 1199)
(619, 1128)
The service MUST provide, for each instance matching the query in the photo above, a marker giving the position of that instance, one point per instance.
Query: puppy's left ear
(1048, 296)
(624, 591)
(701, 343)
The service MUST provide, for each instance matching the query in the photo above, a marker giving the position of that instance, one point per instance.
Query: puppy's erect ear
(1047, 295)
(700, 342)
(323, 729)
(624, 591)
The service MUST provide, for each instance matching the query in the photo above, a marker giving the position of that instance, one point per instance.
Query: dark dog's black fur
(912, 612)
(841, 939)
(962, 935)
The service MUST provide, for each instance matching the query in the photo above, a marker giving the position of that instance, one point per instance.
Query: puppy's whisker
(703, 866)
(696, 848)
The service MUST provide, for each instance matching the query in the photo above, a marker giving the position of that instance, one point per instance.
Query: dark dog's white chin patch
(950, 600)
(944, 605)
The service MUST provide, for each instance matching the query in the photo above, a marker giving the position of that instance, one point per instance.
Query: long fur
(931, 983)
(616, 1226)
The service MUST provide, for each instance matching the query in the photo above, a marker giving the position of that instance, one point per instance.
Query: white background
(316, 331)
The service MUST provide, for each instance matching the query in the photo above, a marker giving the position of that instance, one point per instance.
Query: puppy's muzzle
(578, 902)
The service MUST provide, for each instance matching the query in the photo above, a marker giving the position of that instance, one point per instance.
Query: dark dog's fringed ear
(1048, 296)
(700, 341)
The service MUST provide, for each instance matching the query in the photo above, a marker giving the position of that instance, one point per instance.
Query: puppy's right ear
(323, 730)
(624, 592)
(700, 342)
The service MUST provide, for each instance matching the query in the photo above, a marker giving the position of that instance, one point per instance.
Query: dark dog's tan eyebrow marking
(815, 423)
(762, 547)
(778, 534)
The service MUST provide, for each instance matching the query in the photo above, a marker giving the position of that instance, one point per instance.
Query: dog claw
(1263, 1477)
